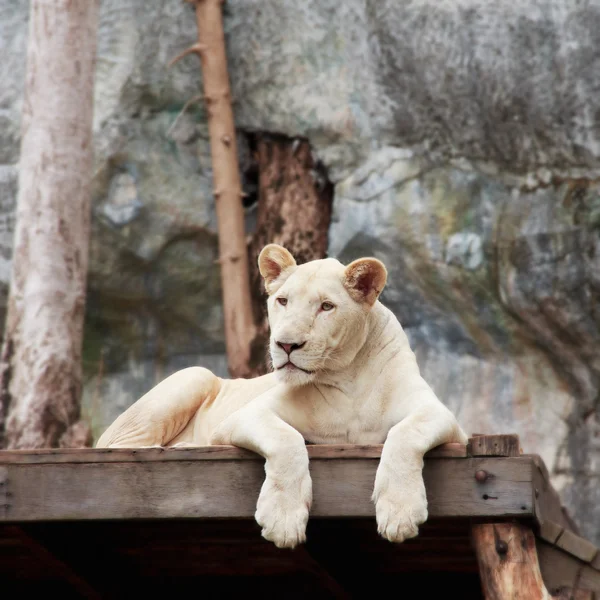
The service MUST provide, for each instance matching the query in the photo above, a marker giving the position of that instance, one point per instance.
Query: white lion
(343, 373)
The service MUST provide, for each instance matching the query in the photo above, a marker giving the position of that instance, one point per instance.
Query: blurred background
(459, 142)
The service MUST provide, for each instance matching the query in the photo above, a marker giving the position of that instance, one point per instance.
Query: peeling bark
(40, 372)
(294, 210)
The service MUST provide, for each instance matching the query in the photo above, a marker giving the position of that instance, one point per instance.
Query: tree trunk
(294, 210)
(40, 372)
(237, 306)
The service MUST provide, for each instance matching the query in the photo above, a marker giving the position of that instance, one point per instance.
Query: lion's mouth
(290, 365)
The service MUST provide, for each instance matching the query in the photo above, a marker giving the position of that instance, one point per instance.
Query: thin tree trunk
(237, 305)
(40, 372)
(294, 210)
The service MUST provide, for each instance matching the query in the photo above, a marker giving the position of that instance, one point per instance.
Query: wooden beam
(132, 489)
(549, 510)
(494, 445)
(561, 570)
(577, 546)
(89, 455)
(508, 562)
(570, 594)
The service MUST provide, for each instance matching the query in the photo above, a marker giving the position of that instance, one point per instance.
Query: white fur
(363, 386)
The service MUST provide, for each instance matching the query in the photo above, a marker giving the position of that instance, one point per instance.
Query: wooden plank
(453, 450)
(550, 531)
(577, 546)
(91, 455)
(104, 455)
(570, 594)
(570, 542)
(494, 445)
(562, 570)
(229, 488)
(508, 562)
(548, 506)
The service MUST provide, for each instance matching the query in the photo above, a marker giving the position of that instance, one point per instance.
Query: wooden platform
(112, 523)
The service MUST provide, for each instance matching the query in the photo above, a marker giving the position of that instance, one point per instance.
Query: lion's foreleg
(286, 495)
(399, 492)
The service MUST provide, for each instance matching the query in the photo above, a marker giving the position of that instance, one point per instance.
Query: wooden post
(237, 304)
(40, 371)
(508, 562)
(506, 552)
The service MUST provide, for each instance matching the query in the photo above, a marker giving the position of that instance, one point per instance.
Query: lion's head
(317, 311)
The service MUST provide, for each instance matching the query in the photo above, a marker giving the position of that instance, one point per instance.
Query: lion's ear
(365, 279)
(276, 264)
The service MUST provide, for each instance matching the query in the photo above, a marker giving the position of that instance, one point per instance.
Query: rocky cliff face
(463, 139)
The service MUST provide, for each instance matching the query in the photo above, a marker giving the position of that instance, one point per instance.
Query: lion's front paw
(400, 507)
(282, 511)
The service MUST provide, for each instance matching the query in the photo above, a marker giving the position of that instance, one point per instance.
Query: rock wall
(463, 139)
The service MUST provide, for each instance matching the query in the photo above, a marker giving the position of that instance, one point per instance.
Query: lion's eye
(282, 301)
(327, 306)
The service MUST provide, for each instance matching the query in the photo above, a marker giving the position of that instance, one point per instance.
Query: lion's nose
(289, 348)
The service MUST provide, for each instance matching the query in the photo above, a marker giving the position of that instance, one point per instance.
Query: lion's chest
(346, 424)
